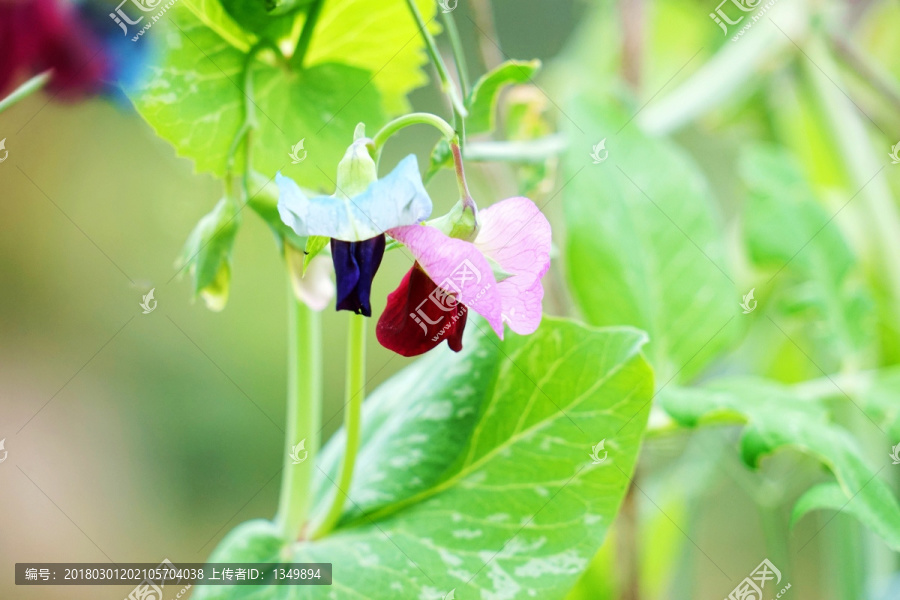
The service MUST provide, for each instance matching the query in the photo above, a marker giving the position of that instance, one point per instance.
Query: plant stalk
(462, 73)
(464, 194)
(459, 55)
(309, 26)
(627, 539)
(303, 415)
(863, 167)
(446, 82)
(26, 89)
(411, 119)
(354, 393)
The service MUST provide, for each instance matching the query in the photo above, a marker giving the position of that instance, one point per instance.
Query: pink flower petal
(457, 267)
(516, 234)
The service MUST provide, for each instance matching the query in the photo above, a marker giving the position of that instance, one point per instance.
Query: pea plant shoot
(494, 465)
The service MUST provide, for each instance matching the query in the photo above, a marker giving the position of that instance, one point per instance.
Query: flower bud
(208, 252)
(313, 285)
(461, 222)
(357, 170)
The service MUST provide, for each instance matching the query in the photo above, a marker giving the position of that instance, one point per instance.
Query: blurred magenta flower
(77, 44)
(498, 275)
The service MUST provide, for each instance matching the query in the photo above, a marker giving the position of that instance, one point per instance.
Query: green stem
(459, 56)
(464, 194)
(412, 119)
(879, 79)
(354, 393)
(303, 415)
(462, 72)
(26, 89)
(534, 151)
(446, 82)
(862, 165)
(244, 134)
(306, 34)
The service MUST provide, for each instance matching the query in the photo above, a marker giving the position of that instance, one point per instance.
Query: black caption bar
(157, 576)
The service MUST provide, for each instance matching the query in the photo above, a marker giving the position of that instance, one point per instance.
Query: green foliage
(208, 252)
(381, 38)
(254, 17)
(213, 15)
(477, 466)
(789, 234)
(351, 74)
(778, 417)
(481, 105)
(644, 246)
(314, 245)
(881, 400)
(482, 101)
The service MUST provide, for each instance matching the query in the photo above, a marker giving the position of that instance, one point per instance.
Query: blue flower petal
(397, 199)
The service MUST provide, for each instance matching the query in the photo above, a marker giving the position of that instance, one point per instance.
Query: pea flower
(498, 275)
(362, 208)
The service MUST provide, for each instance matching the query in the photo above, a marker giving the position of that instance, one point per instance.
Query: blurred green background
(137, 437)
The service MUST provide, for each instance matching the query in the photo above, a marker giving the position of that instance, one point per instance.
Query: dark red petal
(419, 316)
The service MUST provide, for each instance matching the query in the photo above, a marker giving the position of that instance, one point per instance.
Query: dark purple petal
(355, 265)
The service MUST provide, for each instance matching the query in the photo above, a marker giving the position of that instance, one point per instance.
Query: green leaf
(788, 232)
(881, 400)
(876, 516)
(314, 245)
(441, 156)
(254, 16)
(379, 37)
(644, 244)
(208, 252)
(482, 101)
(196, 103)
(477, 466)
(363, 57)
(778, 417)
(213, 15)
